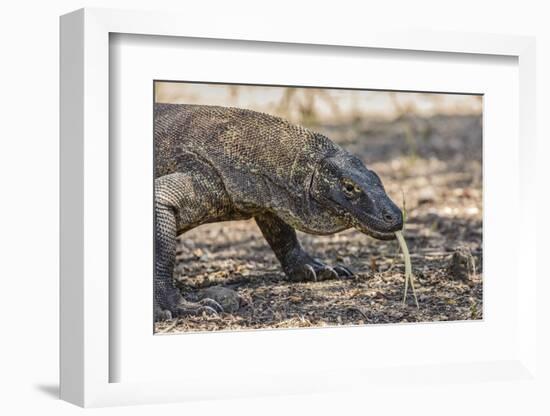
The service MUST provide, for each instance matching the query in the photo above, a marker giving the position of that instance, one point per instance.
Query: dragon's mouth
(374, 227)
(377, 234)
(367, 226)
(368, 229)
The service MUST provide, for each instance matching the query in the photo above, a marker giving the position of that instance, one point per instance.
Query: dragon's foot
(184, 307)
(309, 269)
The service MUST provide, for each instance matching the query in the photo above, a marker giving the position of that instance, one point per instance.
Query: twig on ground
(171, 326)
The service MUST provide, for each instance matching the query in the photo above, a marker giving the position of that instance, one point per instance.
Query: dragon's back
(254, 153)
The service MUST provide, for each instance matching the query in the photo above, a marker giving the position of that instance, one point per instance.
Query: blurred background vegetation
(314, 106)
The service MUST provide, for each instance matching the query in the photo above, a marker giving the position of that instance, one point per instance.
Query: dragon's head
(356, 194)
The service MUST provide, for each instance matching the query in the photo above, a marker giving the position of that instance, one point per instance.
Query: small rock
(229, 300)
(189, 244)
(396, 314)
(426, 196)
(461, 265)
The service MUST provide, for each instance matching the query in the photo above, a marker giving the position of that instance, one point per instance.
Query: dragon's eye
(350, 188)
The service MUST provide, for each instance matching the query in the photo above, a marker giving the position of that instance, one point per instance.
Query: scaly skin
(218, 164)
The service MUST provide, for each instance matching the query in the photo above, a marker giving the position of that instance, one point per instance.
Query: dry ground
(436, 164)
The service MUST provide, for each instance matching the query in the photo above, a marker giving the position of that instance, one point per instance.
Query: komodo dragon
(217, 164)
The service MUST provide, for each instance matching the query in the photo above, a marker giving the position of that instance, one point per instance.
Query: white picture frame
(86, 335)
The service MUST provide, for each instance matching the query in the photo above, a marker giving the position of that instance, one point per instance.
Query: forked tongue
(408, 267)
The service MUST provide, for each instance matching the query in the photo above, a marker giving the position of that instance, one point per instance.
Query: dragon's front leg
(179, 205)
(297, 264)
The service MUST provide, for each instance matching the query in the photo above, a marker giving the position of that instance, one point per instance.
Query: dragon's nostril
(388, 217)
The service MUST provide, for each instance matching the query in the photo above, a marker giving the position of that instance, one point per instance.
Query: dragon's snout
(393, 219)
(381, 223)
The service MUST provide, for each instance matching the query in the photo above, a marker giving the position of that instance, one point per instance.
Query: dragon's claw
(309, 272)
(208, 306)
(314, 270)
(327, 273)
(212, 304)
(343, 271)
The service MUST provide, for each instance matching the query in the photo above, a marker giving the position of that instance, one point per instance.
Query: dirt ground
(435, 165)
